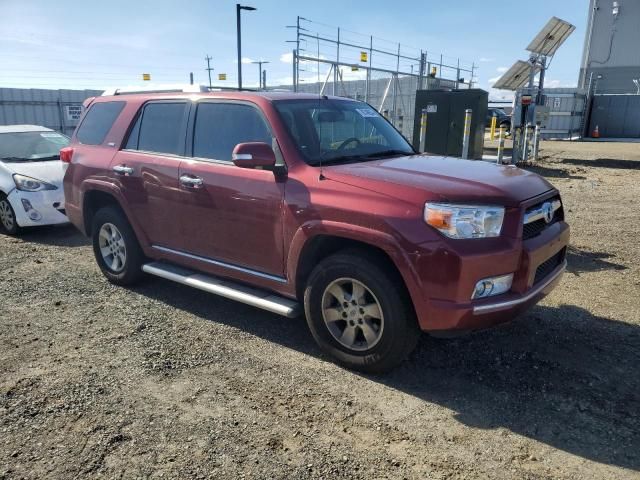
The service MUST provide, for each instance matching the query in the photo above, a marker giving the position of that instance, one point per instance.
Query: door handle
(192, 182)
(123, 170)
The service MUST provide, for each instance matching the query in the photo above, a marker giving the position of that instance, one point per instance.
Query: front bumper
(449, 307)
(43, 208)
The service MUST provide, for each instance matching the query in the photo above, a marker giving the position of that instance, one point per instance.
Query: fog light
(26, 204)
(35, 215)
(488, 287)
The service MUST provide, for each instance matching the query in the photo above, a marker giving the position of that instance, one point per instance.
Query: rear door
(148, 167)
(235, 215)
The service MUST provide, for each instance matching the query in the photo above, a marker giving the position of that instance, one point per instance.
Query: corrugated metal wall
(617, 116)
(56, 109)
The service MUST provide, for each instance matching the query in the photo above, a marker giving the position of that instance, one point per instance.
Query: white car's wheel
(8, 222)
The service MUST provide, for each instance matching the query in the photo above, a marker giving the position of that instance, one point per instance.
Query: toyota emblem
(547, 210)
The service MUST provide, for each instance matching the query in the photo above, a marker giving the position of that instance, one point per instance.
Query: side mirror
(253, 154)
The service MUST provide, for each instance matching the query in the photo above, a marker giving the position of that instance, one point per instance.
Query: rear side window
(220, 127)
(160, 128)
(98, 121)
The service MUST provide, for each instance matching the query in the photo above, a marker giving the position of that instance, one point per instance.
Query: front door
(230, 214)
(148, 169)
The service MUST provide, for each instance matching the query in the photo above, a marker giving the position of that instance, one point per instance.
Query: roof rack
(172, 89)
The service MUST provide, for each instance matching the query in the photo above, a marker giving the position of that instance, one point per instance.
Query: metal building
(56, 109)
(611, 57)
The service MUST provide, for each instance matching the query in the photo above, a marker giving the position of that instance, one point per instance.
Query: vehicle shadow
(560, 376)
(604, 163)
(581, 261)
(549, 172)
(55, 235)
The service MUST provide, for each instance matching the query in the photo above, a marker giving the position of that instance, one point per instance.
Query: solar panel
(516, 77)
(551, 37)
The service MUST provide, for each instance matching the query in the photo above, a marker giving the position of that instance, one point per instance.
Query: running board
(251, 296)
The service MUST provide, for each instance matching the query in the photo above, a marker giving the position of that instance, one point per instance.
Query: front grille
(535, 228)
(545, 268)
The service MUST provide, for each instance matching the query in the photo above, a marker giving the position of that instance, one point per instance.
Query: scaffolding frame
(425, 61)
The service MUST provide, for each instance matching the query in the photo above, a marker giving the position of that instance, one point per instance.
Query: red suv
(289, 202)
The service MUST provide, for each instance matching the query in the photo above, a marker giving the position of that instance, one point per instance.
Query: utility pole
(260, 63)
(264, 80)
(209, 69)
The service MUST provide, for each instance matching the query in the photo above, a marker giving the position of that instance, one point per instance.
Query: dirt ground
(161, 381)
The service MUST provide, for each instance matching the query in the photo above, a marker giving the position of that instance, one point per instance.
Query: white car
(30, 177)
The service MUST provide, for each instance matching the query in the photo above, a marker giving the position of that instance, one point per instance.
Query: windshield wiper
(22, 159)
(387, 153)
(338, 159)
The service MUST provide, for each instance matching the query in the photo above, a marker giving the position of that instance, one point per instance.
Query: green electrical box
(445, 121)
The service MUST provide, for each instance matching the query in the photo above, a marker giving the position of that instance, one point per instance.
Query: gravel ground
(161, 381)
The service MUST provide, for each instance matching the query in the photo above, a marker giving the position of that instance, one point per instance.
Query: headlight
(464, 221)
(29, 184)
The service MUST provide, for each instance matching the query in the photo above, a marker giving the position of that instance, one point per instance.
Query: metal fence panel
(55, 109)
(566, 111)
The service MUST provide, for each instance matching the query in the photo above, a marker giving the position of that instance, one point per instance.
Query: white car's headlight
(464, 221)
(29, 184)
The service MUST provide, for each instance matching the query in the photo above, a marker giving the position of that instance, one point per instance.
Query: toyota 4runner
(302, 203)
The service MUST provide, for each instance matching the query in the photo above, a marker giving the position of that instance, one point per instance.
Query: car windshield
(31, 146)
(330, 131)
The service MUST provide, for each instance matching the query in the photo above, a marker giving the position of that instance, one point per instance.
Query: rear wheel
(359, 313)
(116, 247)
(8, 223)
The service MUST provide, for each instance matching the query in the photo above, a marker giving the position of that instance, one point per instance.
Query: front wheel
(8, 222)
(358, 311)
(116, 247)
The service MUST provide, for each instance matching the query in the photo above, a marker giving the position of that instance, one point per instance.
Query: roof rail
(169, 89)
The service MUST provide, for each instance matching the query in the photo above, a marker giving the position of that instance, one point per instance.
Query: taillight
(66, 154)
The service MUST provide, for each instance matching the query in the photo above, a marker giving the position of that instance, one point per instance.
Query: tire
(395, 332)
(116, 247)
(8, 223)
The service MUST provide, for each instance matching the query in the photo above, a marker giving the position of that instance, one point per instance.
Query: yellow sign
(354, 69)
(146, 76)
(222, 76)
(363, 56)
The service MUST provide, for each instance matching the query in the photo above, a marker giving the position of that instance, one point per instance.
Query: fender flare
(368, 236)
(92, 185)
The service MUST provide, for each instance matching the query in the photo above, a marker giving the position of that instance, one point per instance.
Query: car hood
(50, 171)
(420, 178)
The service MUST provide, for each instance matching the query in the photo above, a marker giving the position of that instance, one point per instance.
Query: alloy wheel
(112, 247)
(6, 215)
(352, 314)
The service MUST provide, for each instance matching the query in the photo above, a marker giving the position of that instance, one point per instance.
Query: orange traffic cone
(596, 132)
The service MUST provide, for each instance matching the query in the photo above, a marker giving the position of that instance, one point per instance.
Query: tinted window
(220, 127)
(98, 121)
(160, 128)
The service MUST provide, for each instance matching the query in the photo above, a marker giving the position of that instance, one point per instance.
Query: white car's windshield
(31, 146)
(329, 131)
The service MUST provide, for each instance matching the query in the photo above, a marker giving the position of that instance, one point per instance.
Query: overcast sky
(100, 44)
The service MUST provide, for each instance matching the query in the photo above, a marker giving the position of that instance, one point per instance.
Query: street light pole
(261, 84)
(239, 33)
